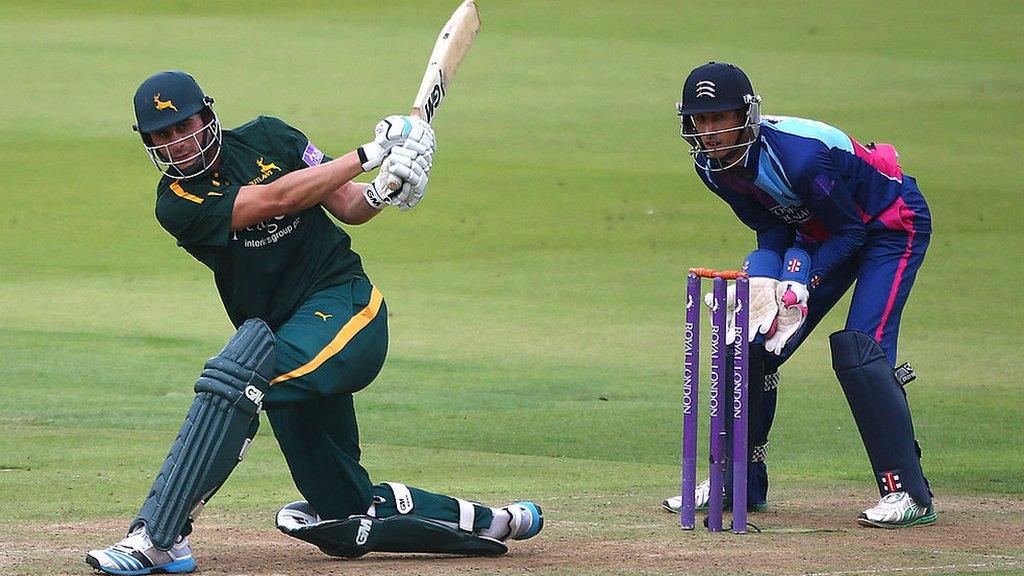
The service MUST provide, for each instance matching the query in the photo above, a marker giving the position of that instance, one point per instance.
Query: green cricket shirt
(266, 270)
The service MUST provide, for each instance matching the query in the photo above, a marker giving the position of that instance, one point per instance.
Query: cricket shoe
(526, 522)
(898, 510)
(137, 554)
(702, 494)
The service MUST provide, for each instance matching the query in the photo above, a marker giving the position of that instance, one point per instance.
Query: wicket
(718, 377)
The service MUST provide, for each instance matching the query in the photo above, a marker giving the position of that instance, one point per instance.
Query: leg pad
(217, 430)
(880, 408)
(357, 535)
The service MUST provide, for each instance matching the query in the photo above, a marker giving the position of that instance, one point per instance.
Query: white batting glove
(409, 166)
(791, 297)
(377, 192)
(394, 131)
(412, 169)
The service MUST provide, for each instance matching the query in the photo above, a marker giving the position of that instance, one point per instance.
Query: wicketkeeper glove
(762, 267)
(791, 296)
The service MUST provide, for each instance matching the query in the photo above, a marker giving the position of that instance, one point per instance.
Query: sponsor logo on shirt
(791, 214)
(268, 232)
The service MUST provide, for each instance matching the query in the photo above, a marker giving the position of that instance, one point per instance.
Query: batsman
(828, 213)
(252, 205)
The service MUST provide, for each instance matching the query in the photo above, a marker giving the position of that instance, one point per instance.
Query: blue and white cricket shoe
(527, 520)
(136, 555)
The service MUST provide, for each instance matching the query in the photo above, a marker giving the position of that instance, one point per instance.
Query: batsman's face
(726, 129)
(179, 141)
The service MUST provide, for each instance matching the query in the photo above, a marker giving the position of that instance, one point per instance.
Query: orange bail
(712, 273)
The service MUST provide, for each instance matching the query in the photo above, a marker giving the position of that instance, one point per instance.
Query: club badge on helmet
(718, 87)
(168, 98)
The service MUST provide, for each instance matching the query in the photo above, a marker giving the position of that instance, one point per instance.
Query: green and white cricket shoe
(898, 510)
(702, 493)
(136, 555)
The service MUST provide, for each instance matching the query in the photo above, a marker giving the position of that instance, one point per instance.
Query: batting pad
(354, 536)
(880, 408)
(217, 430)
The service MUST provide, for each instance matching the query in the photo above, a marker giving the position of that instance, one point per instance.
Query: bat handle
(394, 182)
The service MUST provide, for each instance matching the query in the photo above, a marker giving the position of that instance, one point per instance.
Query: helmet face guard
(169, 98)
(718, 87)
(749, 131)
(208, 140)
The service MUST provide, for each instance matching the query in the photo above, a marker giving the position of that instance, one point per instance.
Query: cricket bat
(451, 47)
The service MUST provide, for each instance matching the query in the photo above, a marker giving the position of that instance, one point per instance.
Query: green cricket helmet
(169, 98)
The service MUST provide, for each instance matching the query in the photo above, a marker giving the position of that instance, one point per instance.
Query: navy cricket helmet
(169, 98)
(718, 87)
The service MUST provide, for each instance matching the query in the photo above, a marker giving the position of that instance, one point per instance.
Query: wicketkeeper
(252, 204)
(828, 212)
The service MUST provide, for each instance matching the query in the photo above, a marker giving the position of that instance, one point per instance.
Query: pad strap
(466, 515)
(403, 497)
(760, 453)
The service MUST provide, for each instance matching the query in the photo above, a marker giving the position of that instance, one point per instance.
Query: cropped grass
(536, 293)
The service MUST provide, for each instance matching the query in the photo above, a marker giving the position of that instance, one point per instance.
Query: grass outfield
(536, 292)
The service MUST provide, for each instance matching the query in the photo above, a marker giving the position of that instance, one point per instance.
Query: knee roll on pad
(219, 426)
(880, 408)
(357, 535)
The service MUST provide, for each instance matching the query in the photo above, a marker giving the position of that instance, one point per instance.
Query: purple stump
(691, 374)
(717, 407)
(740, 407)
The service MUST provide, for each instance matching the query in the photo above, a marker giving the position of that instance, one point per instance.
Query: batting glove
(408, 165)
(394, 131)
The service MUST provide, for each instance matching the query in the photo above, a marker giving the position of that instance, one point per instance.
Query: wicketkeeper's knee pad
(217, 430)
(880, 408)
(357, 535)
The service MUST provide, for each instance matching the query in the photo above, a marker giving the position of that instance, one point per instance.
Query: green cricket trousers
(332, 347)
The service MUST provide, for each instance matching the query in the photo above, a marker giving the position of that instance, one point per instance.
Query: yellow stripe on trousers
(348, 331)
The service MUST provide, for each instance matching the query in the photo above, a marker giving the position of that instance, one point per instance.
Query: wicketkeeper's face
(721, 130)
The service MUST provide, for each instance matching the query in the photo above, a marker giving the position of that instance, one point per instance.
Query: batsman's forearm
(304, 188)
(293, 192)
(348, 204)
